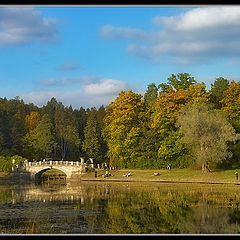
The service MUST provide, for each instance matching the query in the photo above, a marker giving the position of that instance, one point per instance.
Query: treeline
(52, 131)
(179, 123)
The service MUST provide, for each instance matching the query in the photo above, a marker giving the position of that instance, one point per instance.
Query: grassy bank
(174, 175)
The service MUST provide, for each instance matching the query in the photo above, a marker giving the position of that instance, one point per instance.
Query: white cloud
(104, 87)
(22, 25)
(101, 91)
(198, 35)
(202, 18)
(67, 81)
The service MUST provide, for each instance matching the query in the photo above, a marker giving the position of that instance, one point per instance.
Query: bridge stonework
(34, 170)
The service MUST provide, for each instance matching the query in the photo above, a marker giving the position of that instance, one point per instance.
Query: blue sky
(84, 56)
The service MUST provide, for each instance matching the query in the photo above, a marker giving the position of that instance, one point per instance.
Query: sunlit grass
(184, 175)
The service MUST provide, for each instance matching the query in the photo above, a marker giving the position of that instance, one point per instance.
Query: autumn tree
(207, 132)
(32, 120)
(197, 93)
(231, 103)
(167, 108)
(122, 116)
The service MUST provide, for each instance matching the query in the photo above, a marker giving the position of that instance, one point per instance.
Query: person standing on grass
(236, 174)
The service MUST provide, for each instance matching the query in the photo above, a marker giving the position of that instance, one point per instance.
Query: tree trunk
(205, 168)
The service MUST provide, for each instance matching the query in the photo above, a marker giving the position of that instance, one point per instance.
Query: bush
(6, 162)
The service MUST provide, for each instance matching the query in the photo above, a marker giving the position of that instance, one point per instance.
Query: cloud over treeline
(89, 91)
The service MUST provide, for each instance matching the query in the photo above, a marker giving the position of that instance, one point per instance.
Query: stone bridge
(34, 170)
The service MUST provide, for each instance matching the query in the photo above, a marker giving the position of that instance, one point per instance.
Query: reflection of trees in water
(117, 208)
(209, 220)
(171, 212)
(141, 213)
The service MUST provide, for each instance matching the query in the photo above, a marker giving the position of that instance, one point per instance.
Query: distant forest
(179, 122)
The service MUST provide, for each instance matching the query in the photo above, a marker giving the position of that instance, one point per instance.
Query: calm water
(120, 208)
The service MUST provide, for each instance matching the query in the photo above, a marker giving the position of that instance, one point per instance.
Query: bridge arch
(37, 175)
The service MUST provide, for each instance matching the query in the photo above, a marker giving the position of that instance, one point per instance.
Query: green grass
(175, 175)
(52, 171)
(181, 175)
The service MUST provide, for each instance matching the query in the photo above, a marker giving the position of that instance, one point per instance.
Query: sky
(85, 55)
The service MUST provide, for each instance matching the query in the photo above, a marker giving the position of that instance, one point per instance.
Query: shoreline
(155, 181)
(184, 176)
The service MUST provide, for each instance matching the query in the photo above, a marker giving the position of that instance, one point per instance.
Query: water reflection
(117, 208)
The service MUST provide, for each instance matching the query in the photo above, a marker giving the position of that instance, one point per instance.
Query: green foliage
(40, 141)
(207, 132)
(5, 164)
(92, 134)
(172, 151)
(181, 81)
(133, 131)
(151, 94)
(122, 115)
(217, 89)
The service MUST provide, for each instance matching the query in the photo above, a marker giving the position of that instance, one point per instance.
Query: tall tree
(217, 89)
(151, 94)
(66, 131)
(207, 132)
(39, 142)
(122, 115)
(91, 144)
(231, 103)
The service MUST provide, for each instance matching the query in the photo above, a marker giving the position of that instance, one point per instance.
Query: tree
(181, 81)
(91, 144)
(121, 116)
(207, 132)
(231, 102)
(217, 89)
(32, 120)
(167, 108)
(80, 117)
(151, 94)
(197, 92)
(66, 131)
(39, 142)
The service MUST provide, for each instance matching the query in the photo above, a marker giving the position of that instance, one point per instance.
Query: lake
(120, 208)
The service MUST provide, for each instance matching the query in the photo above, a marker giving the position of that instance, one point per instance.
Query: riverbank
(164, 175)
(168, 176)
